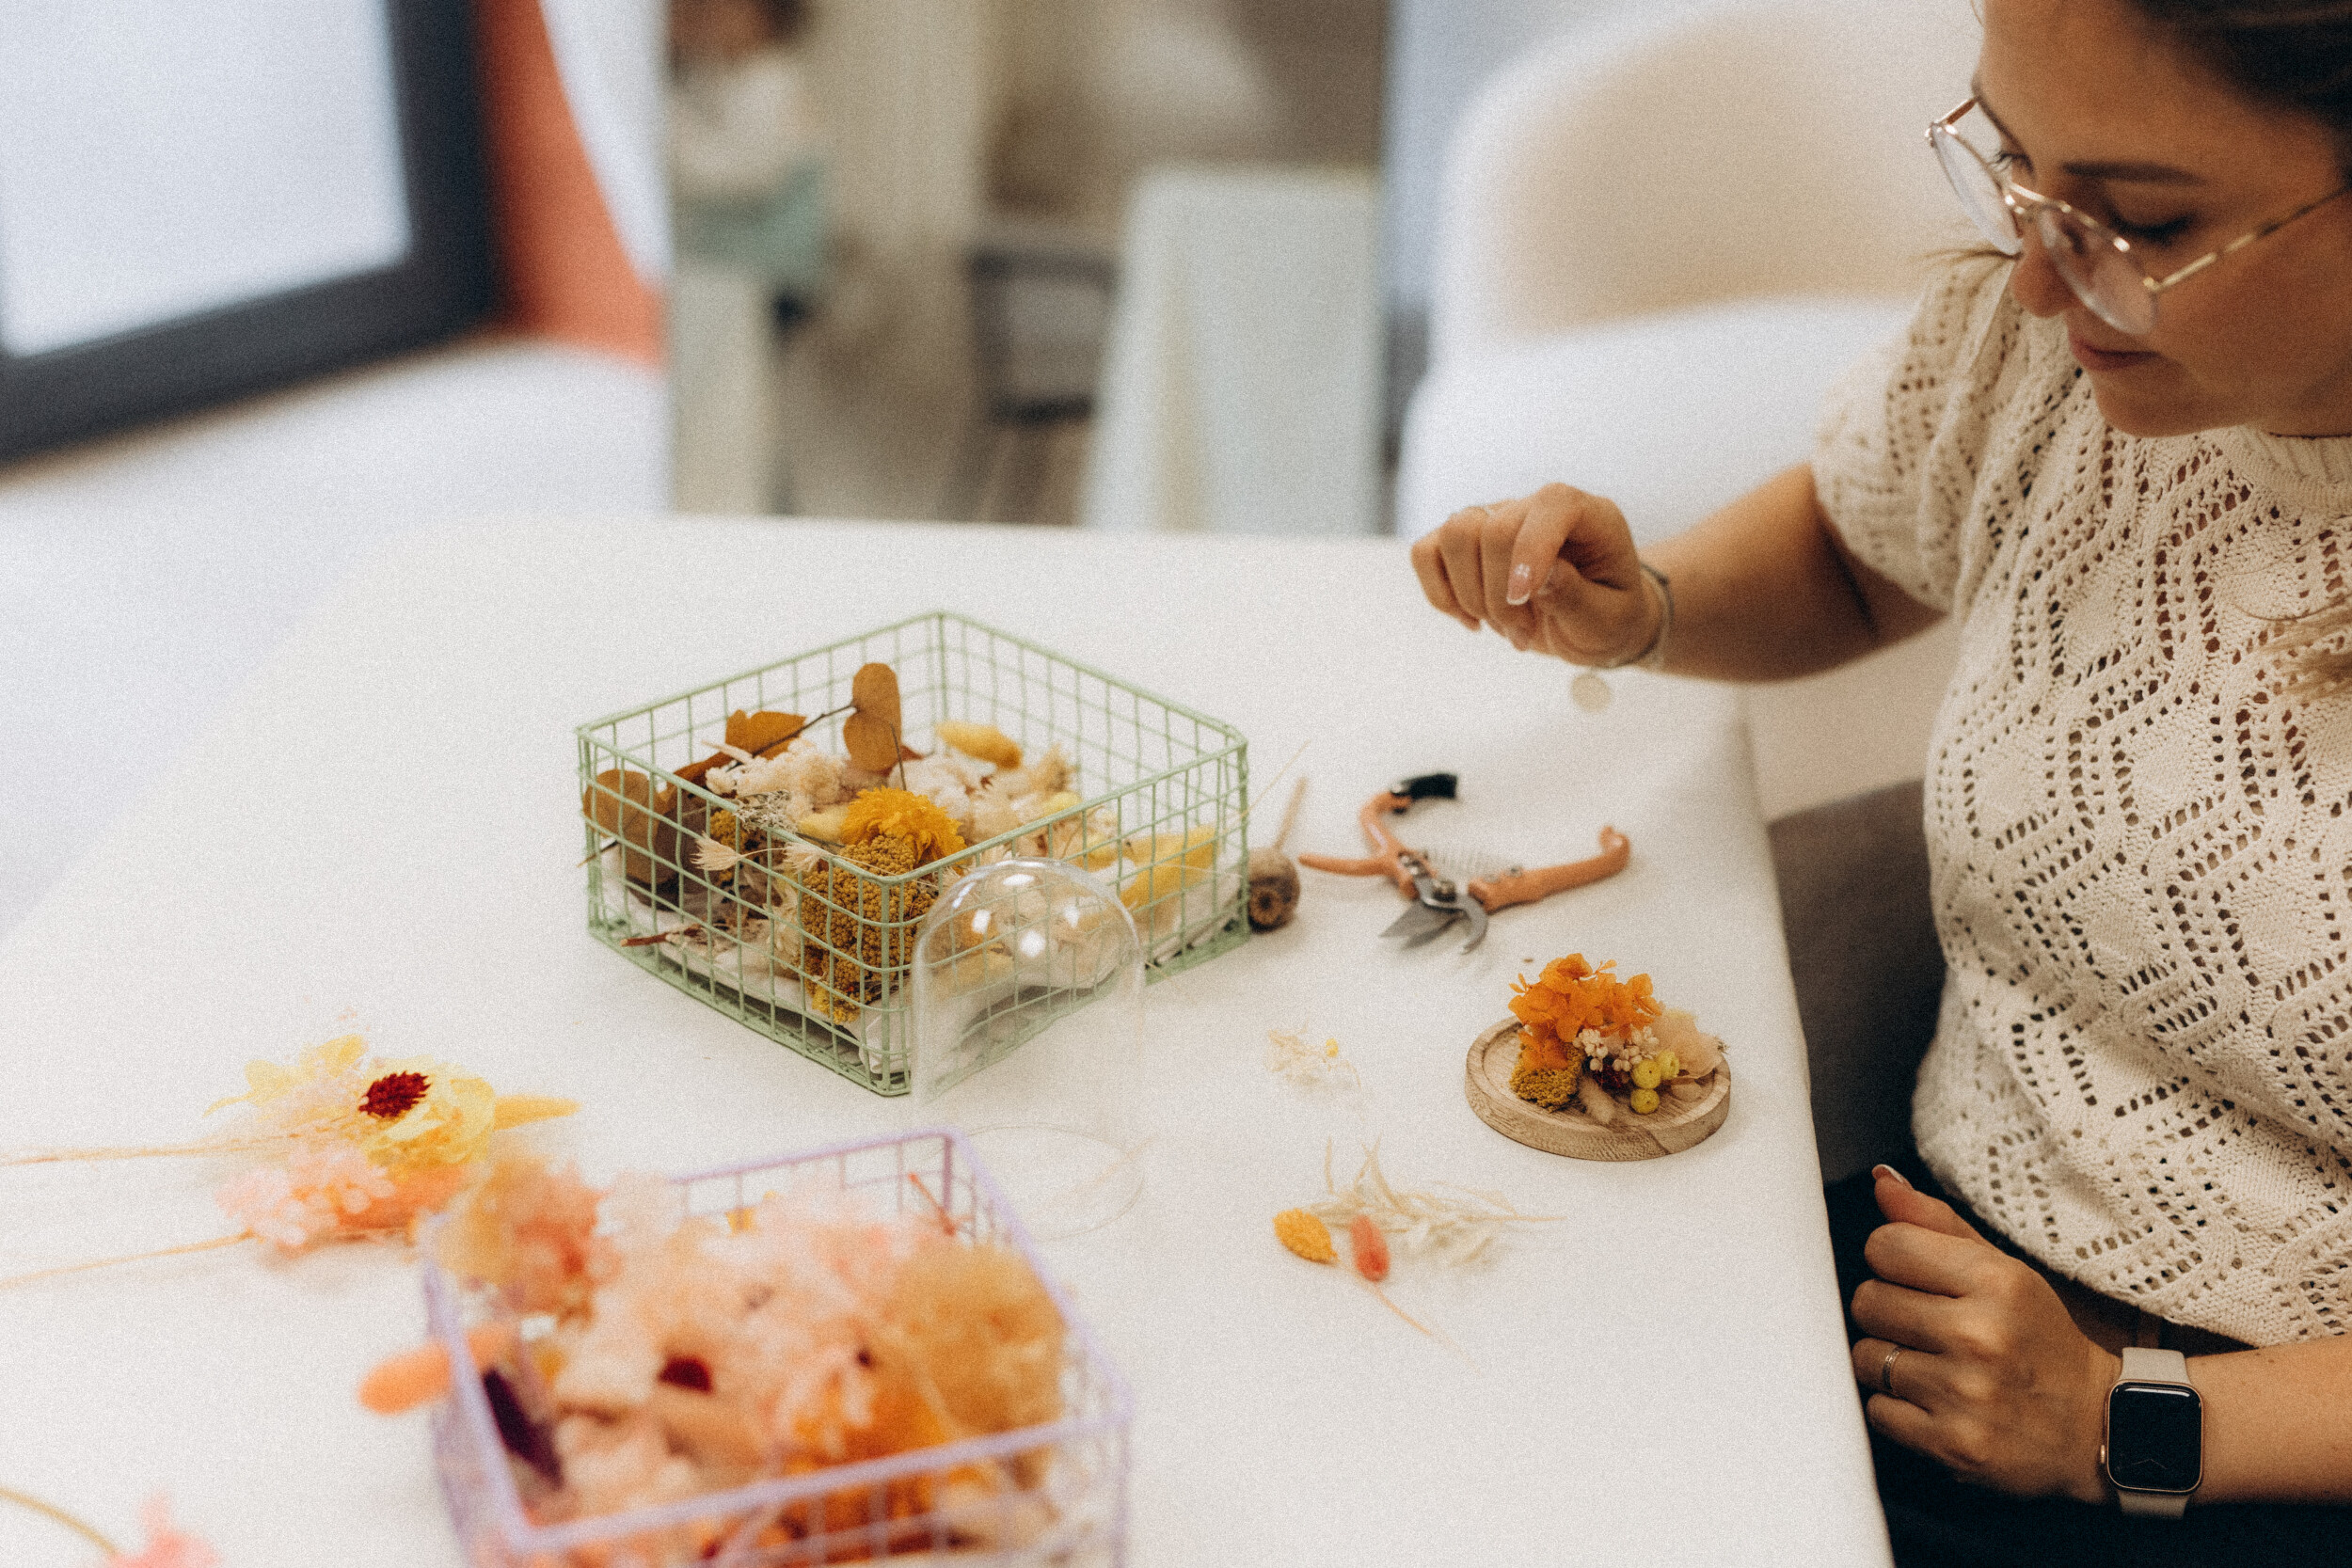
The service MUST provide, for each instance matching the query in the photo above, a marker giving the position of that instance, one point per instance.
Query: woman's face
(2096, 111)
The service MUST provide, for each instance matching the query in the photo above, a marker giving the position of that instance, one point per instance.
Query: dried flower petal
(1290, 1056)
(1305, 1235)
(714, 856)
(326, 1190)
(167, 1548)
(984, 741)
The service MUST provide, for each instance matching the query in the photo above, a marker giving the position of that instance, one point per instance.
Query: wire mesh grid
(811, 948)
(1067, 1505)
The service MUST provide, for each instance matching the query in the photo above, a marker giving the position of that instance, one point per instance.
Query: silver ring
(1886, 1372)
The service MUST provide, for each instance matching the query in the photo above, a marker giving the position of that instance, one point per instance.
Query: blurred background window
(204, 199)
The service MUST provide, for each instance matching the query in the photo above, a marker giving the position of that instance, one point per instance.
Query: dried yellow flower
(1305, 1235)
(404, 1114)
(860, 931)
(929, 832)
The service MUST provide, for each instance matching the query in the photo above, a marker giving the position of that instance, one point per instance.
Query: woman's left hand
(1993, 1379)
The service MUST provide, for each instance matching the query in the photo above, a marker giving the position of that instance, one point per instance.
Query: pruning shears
(1439, 900)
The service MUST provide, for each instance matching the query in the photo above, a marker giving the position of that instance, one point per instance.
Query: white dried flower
(714, 856)
(1289, 1055)
(1438, 1226)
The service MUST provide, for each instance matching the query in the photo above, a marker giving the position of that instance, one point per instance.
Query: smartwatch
(2154, 1453)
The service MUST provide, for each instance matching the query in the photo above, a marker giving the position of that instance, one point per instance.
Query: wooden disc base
(1675, 1126)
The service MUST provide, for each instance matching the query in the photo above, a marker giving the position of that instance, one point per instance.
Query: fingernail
(1523, 584)
(1890, 1171)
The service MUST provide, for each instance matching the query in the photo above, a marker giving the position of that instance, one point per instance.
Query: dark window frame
(444, 284)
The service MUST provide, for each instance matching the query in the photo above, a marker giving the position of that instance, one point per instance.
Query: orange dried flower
(1567, 998)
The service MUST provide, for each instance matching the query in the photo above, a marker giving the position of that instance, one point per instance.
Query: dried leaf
(875, 691)
(623, 803)
(762, 733)
(873, 745)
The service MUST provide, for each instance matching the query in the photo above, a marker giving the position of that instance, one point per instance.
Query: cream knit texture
(2140, 839)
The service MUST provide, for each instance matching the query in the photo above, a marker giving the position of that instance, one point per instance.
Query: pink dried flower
(330, 1189)
(167, 1548)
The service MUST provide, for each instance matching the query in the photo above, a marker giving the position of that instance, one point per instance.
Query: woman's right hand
(1554, 572)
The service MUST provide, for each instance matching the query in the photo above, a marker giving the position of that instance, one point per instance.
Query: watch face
(2155, 1441)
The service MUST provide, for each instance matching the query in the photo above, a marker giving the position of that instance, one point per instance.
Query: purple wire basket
(1076, 1513)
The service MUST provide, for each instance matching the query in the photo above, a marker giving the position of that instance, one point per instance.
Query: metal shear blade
(1437, 904)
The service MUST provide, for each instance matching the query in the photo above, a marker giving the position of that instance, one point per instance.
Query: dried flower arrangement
(798, 867)
(635, 1355)
(1446, 1227)
(360, 1147)
(1604, 1044)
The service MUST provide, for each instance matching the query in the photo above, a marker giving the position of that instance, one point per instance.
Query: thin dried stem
(1267, 788)
(1290, 812)
(147, 1151)
(58, 1515)
(127, 1257)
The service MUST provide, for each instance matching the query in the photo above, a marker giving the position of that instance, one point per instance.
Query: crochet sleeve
(1903, 435)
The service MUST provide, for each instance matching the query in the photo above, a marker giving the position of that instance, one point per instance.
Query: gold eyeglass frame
(2026, 205)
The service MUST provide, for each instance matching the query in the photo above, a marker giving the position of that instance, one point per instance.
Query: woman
(2127, 469)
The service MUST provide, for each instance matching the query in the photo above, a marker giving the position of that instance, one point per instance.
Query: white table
(381, 833)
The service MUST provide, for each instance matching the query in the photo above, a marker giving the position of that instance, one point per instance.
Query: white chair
(1660, 242)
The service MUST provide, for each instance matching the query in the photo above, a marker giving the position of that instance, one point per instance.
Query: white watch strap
(2152, 1366)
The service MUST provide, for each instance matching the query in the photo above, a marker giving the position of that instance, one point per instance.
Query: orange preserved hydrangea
(1570, 997)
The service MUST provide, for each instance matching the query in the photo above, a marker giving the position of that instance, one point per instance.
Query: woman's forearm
(2277, 1423)
(1763, 591)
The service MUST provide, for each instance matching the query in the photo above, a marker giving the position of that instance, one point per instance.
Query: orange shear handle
(1388, 862)
(1525, 887)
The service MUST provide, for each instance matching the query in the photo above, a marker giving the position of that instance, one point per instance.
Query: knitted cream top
(2141, 845)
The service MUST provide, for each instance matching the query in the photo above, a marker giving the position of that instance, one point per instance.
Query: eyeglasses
(2097, 263)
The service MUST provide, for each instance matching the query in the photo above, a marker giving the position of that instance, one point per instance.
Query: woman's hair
(2296, 55)
(2292, 54)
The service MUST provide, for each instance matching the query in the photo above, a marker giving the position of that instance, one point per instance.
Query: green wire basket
(811, 949)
